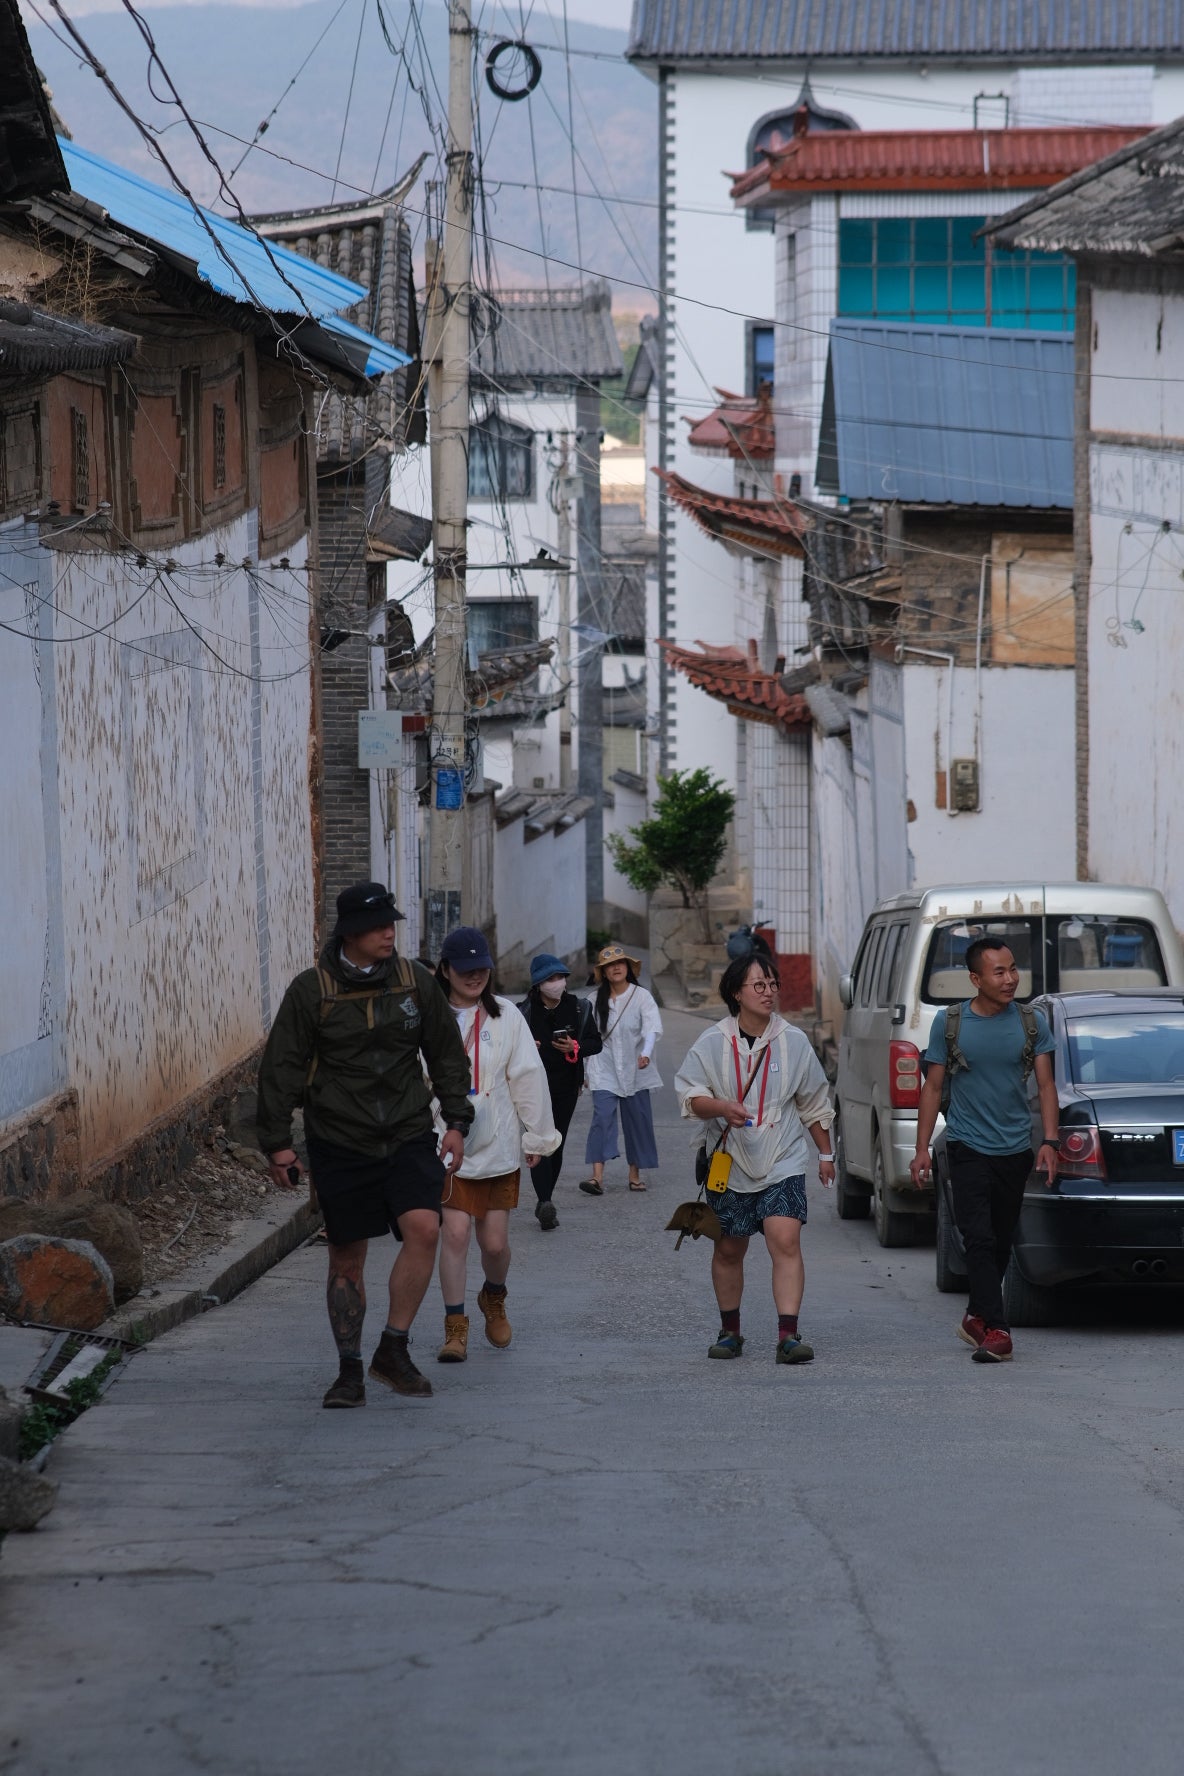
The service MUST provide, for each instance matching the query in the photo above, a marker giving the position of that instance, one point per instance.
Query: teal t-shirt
(989, 1101)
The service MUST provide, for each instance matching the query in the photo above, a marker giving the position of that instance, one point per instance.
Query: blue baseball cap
(544, 968)
(466, 950)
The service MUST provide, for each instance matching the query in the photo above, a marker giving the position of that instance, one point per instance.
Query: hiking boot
(794, 1349)
(972, 1330)
(995, 1347)
(544, 1214)
(455, 1347)
(391, 1363)
(728, 1344)
(350, 1387)
(497, 1326)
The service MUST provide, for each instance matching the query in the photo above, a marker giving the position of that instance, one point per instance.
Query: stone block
(55, 1282)
(112, 1230)
(25, 1496)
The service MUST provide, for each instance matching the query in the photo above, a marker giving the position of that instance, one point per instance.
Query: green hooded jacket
(353, 1060)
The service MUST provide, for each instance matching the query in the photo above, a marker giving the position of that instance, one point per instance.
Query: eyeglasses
(764, 985)
(378, 900)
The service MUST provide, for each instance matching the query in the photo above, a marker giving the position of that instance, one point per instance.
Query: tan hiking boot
(497, 1326)
(455, 1347)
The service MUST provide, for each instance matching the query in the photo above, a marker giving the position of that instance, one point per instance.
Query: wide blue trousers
(637, 1120)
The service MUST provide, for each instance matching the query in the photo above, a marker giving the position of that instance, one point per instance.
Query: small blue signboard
(1178, 1147)
(449, 788)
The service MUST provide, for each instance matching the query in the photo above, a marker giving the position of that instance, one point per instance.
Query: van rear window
(945, 980)
(1096, 953)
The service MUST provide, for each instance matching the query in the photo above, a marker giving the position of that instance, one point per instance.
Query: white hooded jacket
(512, 1105)
(788, 1091)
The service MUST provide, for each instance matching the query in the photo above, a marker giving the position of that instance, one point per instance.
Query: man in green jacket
(346, 1043)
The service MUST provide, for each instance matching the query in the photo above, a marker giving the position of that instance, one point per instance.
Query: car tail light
(904, 1075)
(1080, 1152)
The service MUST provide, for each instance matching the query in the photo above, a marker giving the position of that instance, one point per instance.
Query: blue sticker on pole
(449, 786)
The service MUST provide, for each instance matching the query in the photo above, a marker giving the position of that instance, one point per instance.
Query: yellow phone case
(719, 1171)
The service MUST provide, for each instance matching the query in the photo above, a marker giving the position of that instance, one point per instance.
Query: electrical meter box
(965, 786)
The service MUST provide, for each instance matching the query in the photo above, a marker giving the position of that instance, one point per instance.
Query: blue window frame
(761, 352)
(931, 268)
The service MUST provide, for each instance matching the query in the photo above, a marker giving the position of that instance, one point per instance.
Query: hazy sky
(593, 12)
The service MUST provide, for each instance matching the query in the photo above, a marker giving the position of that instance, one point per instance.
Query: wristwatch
(457, 1128)
(1049, 1142)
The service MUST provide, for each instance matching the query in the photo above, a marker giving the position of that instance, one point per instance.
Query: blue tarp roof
(968, 416)
(167, 220)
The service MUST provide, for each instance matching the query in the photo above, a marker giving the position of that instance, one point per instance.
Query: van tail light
(904, 1075)
(1080, 1152)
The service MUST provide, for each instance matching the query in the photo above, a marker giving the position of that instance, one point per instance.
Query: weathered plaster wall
(183, 726)
(539, 898)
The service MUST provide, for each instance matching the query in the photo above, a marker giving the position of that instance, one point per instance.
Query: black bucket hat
(367, 906)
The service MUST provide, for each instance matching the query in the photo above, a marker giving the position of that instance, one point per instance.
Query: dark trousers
(545, 1175)
(988, 1192)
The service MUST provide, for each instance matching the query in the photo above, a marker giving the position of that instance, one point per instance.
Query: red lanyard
(742, 1089)
(473, 1043)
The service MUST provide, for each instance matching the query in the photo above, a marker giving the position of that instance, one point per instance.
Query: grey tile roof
(33, 343)
(370, 243)
(789, 30)
(1131, 203)
(967, 416)
(546, 335)
(30, 159)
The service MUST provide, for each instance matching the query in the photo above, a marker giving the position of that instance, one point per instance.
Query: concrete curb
(260, 1245)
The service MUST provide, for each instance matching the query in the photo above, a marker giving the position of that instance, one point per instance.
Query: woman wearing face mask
(512, 1120)
(623, 1074)
(565, 1034)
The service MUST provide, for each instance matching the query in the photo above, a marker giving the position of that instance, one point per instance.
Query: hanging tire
(852, 1202)
(1025, 1303)
(892, 1228)
(951, 1280)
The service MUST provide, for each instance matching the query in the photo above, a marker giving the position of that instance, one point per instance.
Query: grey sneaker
(795, 1350)
(728, 1344)
(545, 1215)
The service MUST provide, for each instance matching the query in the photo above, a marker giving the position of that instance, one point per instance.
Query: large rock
(25, 1496)
(114, 1232)
(55, 1282)
(10, 1426)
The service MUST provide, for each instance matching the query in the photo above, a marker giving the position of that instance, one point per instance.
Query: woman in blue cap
(565, 1034)
(511, 1122)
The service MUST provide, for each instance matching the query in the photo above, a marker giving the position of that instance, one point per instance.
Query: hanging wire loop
(530, 73)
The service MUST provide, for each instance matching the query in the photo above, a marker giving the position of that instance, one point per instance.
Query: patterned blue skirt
(742, 1214)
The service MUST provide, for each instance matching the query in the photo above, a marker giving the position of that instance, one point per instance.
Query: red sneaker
(972, 1330)
(995, 1347)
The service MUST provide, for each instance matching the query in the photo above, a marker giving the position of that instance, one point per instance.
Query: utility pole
(591, 618)
(561, 488)
(449, 269)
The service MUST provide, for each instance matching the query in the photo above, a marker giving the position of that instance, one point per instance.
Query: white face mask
(551, 991)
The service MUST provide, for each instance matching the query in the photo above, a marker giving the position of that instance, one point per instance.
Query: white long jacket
(512, 1106)
(634, 1025)
(788, 1092)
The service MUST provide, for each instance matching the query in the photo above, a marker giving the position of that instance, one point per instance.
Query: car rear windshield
(946, 980)
(1128, 1048)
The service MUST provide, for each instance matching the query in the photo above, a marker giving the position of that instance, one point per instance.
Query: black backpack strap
(1031, 1037)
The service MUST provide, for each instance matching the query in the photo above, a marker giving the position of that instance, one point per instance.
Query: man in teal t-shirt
(988, 1132)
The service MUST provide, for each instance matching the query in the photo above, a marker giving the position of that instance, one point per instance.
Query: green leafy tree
(682, 843)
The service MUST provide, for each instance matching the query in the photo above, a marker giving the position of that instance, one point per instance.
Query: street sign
(380, 739)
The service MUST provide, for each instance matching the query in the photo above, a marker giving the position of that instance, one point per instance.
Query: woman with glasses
(757, 1084)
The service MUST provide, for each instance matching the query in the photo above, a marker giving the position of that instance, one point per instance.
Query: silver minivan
(1065, 936)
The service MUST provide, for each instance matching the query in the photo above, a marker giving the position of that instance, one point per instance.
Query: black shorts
(362, 1198)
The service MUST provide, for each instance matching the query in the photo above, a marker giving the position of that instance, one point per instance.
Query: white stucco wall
(1136, 623)
(539, 896)
(183, 807)
(1026, 773)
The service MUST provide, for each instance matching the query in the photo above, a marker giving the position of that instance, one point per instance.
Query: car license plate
(1178, 1147)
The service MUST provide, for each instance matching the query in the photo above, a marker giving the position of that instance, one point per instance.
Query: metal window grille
(80, 463)
(219, 445)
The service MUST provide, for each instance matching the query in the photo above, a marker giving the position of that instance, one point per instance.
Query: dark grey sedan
(1115, 1216)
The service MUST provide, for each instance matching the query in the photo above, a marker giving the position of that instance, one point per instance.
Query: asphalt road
(599, 1552)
